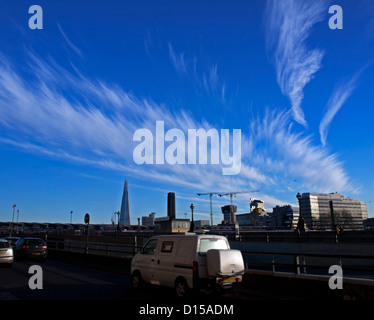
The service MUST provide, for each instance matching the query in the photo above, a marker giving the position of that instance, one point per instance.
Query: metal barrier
(94, 248)
(296, 263)
(354, 265)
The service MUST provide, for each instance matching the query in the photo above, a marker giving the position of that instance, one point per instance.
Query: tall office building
(326, 211)
(124, 218)
(285, 216)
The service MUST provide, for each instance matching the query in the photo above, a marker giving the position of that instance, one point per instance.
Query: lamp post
(11, 226)
(300, 223)
(87, 221)
(118, 214)
(17, 221)
(192, 227)
(71, 216)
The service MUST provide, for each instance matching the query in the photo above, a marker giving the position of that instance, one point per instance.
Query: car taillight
(195, 267)
(9, 245)
(25, 246)
(44, 247)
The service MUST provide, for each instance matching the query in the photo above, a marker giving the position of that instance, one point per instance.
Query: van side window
(150, 247)
(167, 246)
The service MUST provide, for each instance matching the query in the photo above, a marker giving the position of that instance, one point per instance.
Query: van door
(164, 264)
(184, 258)
(145, 261)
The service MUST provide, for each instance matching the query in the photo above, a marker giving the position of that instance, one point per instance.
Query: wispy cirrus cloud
(178, 60)
(208, 79)
(213, 85)
(288, 25)
(55, 112)
(66, 115)
(70, 44)
(341, 93)
(275, 148)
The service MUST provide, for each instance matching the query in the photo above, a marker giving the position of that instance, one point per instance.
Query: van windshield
(207, 244)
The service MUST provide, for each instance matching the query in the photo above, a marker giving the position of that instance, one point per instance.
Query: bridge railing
(361, 266)
(94, 248)
(310, 263)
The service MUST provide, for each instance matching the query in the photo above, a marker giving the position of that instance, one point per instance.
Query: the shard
(124, 218)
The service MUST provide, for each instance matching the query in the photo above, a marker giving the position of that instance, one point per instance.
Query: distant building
(167, 225)
(150, 220)
(285, 216)
(369, 224)
(326, 211)
(124, 218)
(244, 219)
(201, 223)
(257, 216)
(256, 204)
(229, 213)
(170, 224)
(171, 205)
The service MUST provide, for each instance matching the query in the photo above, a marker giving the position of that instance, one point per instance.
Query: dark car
(12, 240)
(31, 248)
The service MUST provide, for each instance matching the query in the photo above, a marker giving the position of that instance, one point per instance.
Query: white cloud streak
(70, 44)
(276, 149)
(177, 60)
(288, 25)
(65, 115)
(339, 96)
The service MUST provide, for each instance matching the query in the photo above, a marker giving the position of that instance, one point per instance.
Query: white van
(186, 262)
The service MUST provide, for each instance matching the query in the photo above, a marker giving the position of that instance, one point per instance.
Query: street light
(11, 226)
(71, 216)
(118, 214)
(300, 223)
(87, 221)
(192, 227)
(17, 221)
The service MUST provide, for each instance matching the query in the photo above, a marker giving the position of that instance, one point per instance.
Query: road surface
(65, 281)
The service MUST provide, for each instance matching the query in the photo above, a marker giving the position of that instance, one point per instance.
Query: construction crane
(221, 194)
(235, 193)
(211, 208)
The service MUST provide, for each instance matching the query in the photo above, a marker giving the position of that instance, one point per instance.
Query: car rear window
(35, 242)
(212, 243)
(4, 244)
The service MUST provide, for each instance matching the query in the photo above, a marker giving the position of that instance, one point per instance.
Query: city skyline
(74, 94)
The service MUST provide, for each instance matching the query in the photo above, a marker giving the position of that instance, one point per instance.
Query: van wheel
(181, 288)
(136, 280)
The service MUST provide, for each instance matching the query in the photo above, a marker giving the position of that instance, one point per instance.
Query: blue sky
(73, 93)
